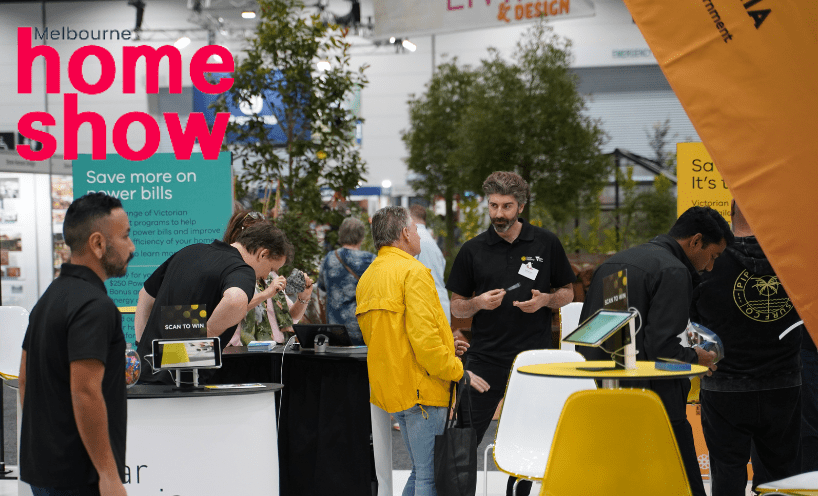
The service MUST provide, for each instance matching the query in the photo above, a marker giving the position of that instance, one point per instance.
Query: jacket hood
(749, 254)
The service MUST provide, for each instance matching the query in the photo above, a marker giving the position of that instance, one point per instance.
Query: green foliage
(282, 58)
(308, 251)
(431, 138)
(472, 220)
(659, 139)
(657, 208)
(646, 214)
(369, 243)
(527, 116)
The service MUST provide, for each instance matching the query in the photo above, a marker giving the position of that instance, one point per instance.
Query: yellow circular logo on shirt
(761, 298)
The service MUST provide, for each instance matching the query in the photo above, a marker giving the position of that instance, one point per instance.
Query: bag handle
(466, 382)
(346, 266)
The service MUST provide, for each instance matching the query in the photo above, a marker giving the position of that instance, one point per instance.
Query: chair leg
(514, 489)
(485, 469)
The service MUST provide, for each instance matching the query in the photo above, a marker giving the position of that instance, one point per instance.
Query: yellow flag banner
(746, 71)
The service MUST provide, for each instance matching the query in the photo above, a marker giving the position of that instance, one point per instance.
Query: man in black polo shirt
(506, 322)
(219, 276)
(72, 371)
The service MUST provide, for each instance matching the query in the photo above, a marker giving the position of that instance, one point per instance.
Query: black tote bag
(456, 452)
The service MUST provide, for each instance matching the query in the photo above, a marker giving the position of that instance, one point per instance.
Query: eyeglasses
(256, 216)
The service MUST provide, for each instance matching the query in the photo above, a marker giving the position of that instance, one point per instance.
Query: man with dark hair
(431, 256)
(412, 359)
(661, 275)
(219, 277)
(755, 395)
(72, 371)
(531, 263)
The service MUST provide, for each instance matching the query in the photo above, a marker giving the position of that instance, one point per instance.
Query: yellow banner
(699, 182)
(745, 72)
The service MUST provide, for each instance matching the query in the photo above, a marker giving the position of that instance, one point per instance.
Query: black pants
(479, 412)
(809, 411)
(732, 421)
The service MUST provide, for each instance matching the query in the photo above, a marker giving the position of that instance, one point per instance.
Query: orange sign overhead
(745, 72)
(424, 17)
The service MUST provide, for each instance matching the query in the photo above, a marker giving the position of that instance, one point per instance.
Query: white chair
(569, 320)
(531, 410)
(14, 324)
(797, 485)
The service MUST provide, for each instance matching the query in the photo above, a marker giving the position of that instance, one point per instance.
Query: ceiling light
(182, 42)
(392, 40)
(386, 183)
(248, 14)
(409, 45)
(323, 66)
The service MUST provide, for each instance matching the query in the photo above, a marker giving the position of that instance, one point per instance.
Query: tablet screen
(187, 353)
(599, 327)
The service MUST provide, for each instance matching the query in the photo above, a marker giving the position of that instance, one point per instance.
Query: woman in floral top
(339, 276)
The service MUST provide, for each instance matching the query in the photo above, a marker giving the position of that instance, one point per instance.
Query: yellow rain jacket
(411, 357)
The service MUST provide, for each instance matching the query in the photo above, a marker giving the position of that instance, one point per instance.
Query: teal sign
(170, 204)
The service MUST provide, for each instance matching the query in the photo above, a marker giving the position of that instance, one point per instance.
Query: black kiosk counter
(208, 442)
(325, 423)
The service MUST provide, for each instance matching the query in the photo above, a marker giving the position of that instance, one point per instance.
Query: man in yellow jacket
(411, 359)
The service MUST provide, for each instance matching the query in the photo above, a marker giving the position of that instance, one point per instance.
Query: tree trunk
(525, 173)
(448, 197)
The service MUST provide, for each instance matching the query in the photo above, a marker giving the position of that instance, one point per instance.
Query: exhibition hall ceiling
(219, 19)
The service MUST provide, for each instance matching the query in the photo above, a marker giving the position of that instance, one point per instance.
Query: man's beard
(501, 224)
(112, 266)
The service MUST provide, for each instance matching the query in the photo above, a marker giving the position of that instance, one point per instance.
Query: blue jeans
(419, 426)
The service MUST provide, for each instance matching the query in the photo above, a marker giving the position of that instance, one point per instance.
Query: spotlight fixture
(409, 45)
(140, 13)
(392, 40)
(248, 14)
(182, 42)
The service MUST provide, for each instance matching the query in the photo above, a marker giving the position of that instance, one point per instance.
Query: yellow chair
(611, 442)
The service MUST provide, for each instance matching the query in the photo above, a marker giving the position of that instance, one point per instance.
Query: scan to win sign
(422, 17)
(699, 182)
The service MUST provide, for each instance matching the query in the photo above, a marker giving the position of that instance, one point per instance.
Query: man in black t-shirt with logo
(510, 254)
(72, 371)
(220, 277)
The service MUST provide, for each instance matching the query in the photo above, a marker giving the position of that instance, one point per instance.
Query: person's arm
(667, 317)
(558, 299)
(423, 322)
(91, 416)
(298, 307)
(143, 310)
(278, 284)
(232, 308)
(463, 307)
(21, 379)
